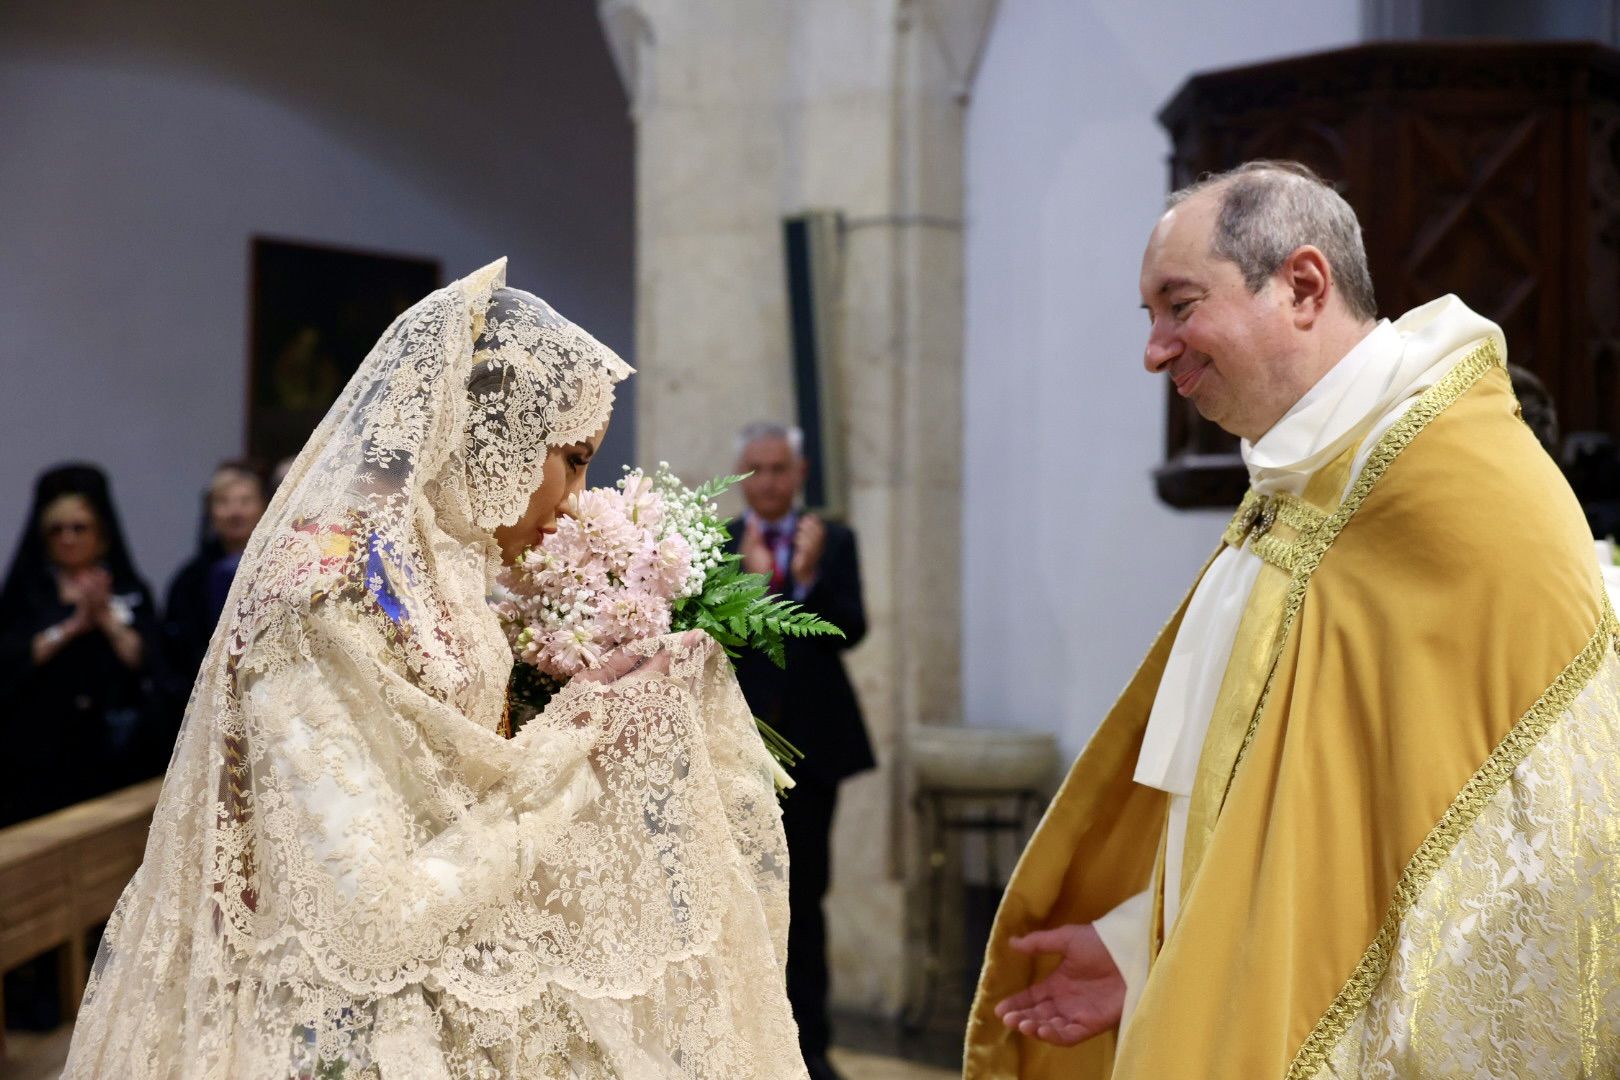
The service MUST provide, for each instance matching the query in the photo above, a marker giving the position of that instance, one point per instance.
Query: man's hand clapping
(809, 541)
(757, 557)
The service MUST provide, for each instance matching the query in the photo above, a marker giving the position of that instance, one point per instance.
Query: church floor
(32, 1056)
(856, 1065)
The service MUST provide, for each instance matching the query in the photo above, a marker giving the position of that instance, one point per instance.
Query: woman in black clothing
(232, 507)
(79, 652)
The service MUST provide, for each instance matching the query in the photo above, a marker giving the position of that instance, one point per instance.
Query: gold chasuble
(1402, 854)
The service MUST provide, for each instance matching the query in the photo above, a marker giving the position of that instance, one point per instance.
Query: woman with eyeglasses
(79, 644)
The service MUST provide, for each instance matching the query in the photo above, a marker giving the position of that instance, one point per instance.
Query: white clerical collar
(1389, 366)
(1321, 422)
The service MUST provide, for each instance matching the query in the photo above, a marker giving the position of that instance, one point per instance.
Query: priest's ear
(1308, 278)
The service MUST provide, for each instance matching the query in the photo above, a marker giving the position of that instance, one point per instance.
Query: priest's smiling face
(1228, 350)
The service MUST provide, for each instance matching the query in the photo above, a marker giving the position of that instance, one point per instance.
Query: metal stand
(960, 812)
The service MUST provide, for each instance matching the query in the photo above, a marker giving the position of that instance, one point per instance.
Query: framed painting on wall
(316, 312)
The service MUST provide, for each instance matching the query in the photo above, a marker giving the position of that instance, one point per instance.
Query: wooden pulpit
(1489, 170)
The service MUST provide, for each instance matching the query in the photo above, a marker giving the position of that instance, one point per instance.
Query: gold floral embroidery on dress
(1500, 955)
(351, 872)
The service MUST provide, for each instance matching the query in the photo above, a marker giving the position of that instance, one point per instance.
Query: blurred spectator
(279, 473)
(79, 648)
(79, 652)
(1592, 464)
(1536, 406)
(232, 506)
(811, 702)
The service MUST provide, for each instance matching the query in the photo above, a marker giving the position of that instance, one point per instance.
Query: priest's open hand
(1083, 996)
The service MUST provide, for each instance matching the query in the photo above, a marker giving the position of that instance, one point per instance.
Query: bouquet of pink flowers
(637, 560)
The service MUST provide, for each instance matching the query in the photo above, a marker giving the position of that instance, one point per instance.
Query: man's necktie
(774, 535)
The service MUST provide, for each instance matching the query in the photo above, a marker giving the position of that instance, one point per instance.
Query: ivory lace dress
(351, 872)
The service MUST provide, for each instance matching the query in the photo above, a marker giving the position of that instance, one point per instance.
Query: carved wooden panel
(1595, 364)
(1490, 171)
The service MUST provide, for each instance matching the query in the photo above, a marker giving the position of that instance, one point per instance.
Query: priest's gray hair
(1270, 209)
(770, 429)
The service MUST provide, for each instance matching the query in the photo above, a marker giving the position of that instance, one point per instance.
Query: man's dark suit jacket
(812, 702)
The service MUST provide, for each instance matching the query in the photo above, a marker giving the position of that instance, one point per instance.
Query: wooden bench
(61, 875)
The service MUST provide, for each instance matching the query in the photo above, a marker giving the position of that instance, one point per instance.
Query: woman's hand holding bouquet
(635, 561)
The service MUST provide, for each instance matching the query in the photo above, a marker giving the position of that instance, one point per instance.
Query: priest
(1356, 813)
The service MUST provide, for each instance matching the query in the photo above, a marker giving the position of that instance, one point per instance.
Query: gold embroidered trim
(1443, 838)
(1256, 523)
(1258, 514)
(1279, 553)
(1298, 514)
(1310, 548)
(1302, 518)
(1248, 512)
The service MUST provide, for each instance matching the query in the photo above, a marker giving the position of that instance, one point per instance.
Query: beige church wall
(142, 145)
(1070, 563)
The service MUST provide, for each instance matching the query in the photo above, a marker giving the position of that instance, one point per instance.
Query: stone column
(705, 79)
(746, 111)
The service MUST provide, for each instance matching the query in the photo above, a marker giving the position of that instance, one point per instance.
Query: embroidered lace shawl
(350, 872)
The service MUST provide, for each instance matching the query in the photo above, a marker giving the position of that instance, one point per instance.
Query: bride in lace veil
(352, 872)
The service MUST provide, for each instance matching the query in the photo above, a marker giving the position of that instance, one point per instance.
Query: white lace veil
(350, 871)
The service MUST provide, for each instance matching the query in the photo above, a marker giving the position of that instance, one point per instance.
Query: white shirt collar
(785, 523)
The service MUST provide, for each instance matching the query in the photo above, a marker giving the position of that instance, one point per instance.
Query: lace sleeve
(628, 868)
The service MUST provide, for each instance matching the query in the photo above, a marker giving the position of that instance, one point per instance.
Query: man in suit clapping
(811, 702)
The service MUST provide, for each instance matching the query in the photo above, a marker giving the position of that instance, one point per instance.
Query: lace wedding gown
(350, 872)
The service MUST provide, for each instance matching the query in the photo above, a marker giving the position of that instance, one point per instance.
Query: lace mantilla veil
(351, 873)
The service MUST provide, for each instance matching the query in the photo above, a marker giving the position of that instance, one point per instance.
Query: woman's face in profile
(562, 478)
(72, 533)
